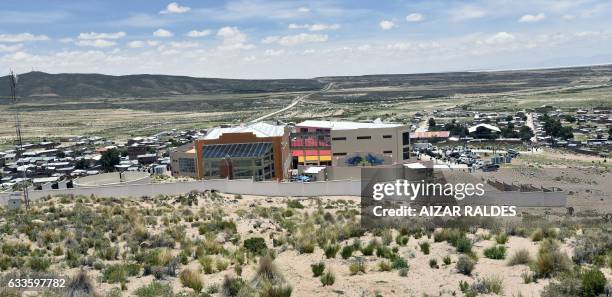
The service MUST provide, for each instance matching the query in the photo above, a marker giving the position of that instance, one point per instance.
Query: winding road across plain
(293, 103)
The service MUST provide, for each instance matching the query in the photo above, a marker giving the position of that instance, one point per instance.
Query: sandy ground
(295, 267)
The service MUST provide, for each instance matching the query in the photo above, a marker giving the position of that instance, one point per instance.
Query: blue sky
(294, 39)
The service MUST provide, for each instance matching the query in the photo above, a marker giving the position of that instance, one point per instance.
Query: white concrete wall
(271, 188)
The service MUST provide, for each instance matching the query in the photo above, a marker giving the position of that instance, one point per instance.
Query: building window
(387, 152)
(186, 165)
(364, 137)
(406, 138)
(303, 130)
(406, 153)
(387, 136)
(338, 138)
(339, 154)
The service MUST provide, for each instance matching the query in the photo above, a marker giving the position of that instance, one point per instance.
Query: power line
(13, 79)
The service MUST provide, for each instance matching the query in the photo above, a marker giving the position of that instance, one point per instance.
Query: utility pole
(13, 85)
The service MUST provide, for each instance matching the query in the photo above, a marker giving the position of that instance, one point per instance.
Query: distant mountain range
(74, 85)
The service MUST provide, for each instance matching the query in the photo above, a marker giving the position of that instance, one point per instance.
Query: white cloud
(196, 33)
(10, 48)
(532, 18)
(136, 44)
(399, 46)
(467, 12)
(184, 44)
(386, 25)
(291, 40)
(303, 9)
(271, 52)
(249, 58)
(66, 40)
(499, 38)
(175, 8)
(233, 38)
(22, 37)
(315, 27)
(415, 17)
(569, 17)
(162, 33)
(94, 35)
(96, 43)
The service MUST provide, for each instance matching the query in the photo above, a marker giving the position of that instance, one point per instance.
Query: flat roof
(345, 125)
(260, 129)
(487, 126)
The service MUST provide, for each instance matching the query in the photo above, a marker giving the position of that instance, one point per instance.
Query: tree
(431, 122)
(525, 133)
(81, 164)
(570, 118)
(109, 159)
(610, 133)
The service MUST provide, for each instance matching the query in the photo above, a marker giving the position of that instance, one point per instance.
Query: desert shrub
(465, 265)
(592, 247)
(356, 244)
(446, 260)
(540, 234)
(221, 264)
(593, 283)
(37, 263)
(550, 260)
(317, 269)
(368, 249)
(58, 251)
(387, 236)
(217, 225)
(402, 239)
(488, 285)
(463, 245)
(501, 238)
(15, 249)
(520, 257)
(328, 279)
(383, 252)
(384, 265)
(282, 290)
(191, 279)
(80, 285)
(357, 266)
(449, 235)
(398, 263)
(232, 285)
(119, 273)
(433, 263)
(577, 282)
(154, 289)
(346, 252)
(495, 252)
(424, 247)
(256, 245)
(294, 204)
(403, 272)
(207, 263)
(331, 250)
(527, 277)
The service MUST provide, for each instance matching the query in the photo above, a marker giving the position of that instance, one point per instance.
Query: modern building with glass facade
(343, 143)
(183, 161)
(258, 151)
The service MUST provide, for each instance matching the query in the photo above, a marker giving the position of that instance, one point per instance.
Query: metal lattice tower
(13, 85)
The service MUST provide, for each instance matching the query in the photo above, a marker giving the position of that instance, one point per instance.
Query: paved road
(293, 103)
